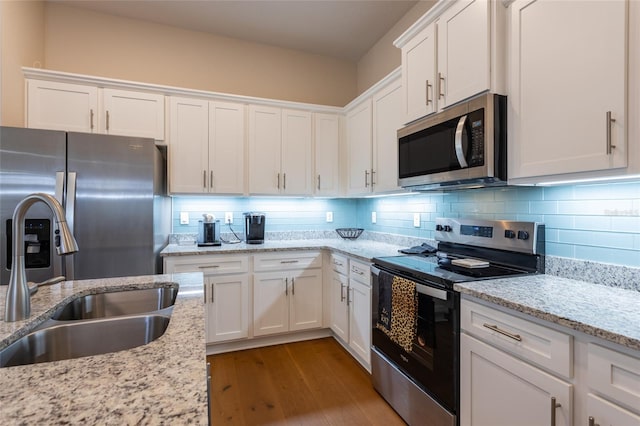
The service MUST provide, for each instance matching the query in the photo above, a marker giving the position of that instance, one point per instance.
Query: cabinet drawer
(546, 347)
(339, 264)
(211, 265)
(293, 260)
(614, 374)
(360, 272)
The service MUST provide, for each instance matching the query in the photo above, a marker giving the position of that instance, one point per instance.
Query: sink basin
(75, 340)
(128, 302)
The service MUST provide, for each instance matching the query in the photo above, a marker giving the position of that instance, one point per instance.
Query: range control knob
(439, 227)
(508, 233)
(523, 235)
(447, 228)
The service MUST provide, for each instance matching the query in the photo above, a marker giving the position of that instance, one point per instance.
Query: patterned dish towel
(398, 308)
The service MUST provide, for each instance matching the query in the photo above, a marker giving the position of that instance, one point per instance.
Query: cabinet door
(497, 389)
(360, 319)
(297, 165)
(226, 147)
(305, 295)
(227, 308)
(270, 304)
(605, 413)
(188, 145)
(359, 149)
(387, 118)
(327, 154)
(265, 135)
(463, 51)
(62, 106)
(339, 310)
(419, 75)
(566, 76)
(129, 113)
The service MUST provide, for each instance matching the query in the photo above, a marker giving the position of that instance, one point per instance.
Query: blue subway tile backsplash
(597, 222)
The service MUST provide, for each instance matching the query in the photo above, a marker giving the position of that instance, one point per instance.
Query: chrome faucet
(18, 303)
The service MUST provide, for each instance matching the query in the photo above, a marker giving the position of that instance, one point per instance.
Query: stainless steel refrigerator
(113, 189)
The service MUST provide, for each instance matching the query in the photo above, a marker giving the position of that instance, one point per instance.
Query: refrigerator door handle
(70, 209)
(59, 194)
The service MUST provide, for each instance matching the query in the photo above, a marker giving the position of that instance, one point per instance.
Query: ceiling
(344, 29)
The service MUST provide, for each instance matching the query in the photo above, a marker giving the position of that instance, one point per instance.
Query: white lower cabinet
(226, 292)
(499, 389)
(351, 306)
(289, 299)
(605, 413)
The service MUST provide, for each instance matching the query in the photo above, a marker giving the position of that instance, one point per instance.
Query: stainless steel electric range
(416, 312)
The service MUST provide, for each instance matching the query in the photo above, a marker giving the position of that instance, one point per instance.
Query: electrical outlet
(329, 216)
(228, 217)
(184, 218)
(374, 217)
(416, 220)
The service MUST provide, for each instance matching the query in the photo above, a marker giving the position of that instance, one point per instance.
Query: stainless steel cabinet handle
(348, 291)
(592, 422)
(335, 262)
(610, 121)
(554, 406)
(428, 87)
(204, 178)
(356, 271)
(366, 178)
(458, 143)
(286, 286)
(503, 332)
(211, 180)
(293, 286)
(373, 181)
(289, 261)
(208, 266)
(284, 181)
(341, 292)
(91, 112)
(318, 182)
(213, 293)
(278, 180)
(205, 294)
(107, 121)
(440, 86)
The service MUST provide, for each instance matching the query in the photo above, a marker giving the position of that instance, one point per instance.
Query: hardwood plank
(314, 382)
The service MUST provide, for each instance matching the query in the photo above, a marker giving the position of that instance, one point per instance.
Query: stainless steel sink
(128, 302)
(84, 338)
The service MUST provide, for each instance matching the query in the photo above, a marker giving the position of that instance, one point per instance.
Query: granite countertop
(161, 382)
(609, 313)
(362, 249)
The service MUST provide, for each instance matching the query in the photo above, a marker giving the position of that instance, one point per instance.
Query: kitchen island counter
(161, 382)
(608, 313)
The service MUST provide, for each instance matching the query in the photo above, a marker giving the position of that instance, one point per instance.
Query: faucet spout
(18, 303)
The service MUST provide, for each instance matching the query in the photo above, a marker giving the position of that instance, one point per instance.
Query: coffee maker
(254, 227)
(208, 231)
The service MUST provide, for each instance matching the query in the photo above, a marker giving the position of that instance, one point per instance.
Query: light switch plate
(416, 220)
(184, 218)
(374, 217)
(329, 216)
(228, 217)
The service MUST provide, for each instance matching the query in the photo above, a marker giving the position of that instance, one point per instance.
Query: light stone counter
(610, 313)
(163, 382)
(362, 249)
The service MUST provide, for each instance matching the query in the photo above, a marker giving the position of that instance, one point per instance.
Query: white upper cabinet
(206, 146)
(326, 131)
(419, 74)
(372, 141)
(128, 113)
(62, 106)
(85, 108)
(279, 151)
(454, 52)
(568, 86)
(463, 51)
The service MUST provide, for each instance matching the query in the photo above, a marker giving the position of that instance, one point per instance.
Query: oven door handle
(458, 143)
(430, 291)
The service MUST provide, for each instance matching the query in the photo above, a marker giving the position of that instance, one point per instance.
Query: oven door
(432, 359)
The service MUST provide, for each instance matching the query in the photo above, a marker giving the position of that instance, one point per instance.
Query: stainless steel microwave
(464, 146)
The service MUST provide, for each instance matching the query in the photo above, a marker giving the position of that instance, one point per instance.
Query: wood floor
(304, 383)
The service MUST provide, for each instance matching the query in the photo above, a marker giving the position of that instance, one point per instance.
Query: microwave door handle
(458, 143)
